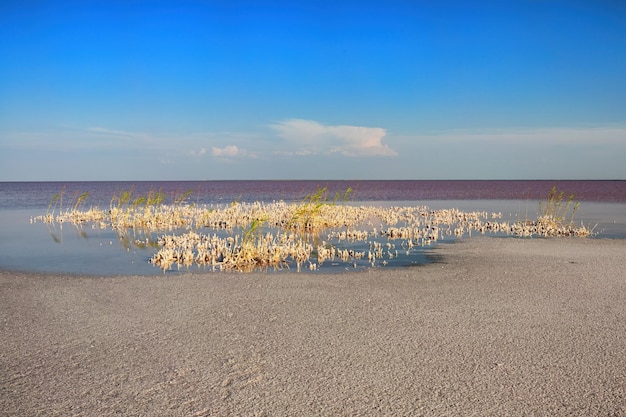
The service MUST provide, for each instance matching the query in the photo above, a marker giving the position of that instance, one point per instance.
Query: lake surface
(85, 250)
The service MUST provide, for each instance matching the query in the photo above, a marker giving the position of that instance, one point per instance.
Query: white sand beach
(499, 326)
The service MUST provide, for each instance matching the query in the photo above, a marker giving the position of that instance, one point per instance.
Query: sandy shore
(499, 327)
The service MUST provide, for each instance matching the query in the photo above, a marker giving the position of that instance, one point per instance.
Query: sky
(213, 90)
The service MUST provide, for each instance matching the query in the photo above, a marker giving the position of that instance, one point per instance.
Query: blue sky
(322, 90)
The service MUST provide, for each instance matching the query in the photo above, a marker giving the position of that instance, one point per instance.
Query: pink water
(24, 195)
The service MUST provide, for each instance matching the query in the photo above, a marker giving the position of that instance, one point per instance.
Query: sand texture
(499, 326)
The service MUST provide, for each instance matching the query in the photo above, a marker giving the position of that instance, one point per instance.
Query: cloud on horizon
(112, 132)
(299, 148)
(227, 151)
(305, 137)
(536, 136)
(199, 152)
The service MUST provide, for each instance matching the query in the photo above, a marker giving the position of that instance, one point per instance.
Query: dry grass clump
(555, 218)
(232, 253)
(315, 231)
(317, 212)
(323, 233)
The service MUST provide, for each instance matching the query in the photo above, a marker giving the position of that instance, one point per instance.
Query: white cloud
(228, 151)
(112, 132)
(293, 153)
(535, 136)
(70, 139)
(309, 136)
(199, 152)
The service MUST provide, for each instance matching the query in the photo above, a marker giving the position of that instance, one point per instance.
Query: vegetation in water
(556, 217)
(558, 210)
(317, 230)
(309, 216)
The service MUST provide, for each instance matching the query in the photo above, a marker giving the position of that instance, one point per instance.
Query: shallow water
(608, 220)
(65, 248)
(68, 249)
